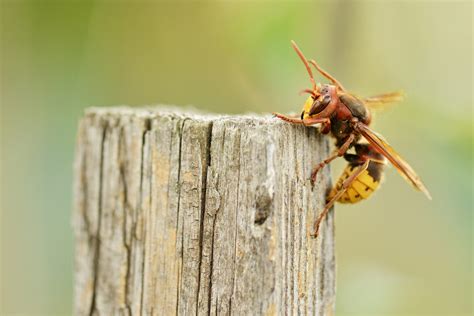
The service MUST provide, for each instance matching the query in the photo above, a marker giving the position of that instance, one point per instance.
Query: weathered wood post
(179, 213)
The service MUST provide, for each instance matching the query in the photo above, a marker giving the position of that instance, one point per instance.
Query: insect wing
(381, 100)
(400, 164)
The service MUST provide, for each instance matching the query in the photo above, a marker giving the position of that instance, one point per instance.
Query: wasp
(346, 117)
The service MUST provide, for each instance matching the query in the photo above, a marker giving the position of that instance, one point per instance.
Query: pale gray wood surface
(179, 213)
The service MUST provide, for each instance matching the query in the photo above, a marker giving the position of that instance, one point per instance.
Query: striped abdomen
(363, 186)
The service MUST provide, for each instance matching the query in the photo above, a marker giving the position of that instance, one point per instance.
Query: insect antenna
(306, 64)
(327, 75)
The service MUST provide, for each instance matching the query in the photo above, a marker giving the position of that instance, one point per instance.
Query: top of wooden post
(179, 212)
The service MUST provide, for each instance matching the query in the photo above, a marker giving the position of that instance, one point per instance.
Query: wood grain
(179, 213)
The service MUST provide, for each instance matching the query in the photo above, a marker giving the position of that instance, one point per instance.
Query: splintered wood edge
(151, 112)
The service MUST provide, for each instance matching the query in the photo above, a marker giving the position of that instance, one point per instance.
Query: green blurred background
(398, 253)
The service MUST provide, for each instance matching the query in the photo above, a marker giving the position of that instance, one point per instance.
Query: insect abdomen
(362, 187)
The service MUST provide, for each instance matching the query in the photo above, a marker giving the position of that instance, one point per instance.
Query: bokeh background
(398, 253)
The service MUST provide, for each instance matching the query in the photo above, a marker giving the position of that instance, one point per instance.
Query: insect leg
(345, 185)
(340, 152)
(284, 117)
(327, 75)
(306, 122)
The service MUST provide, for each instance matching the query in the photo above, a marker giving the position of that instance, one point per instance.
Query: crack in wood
(143, 151)
(180, 270)
(99, 215)
(239, 139)
(203, 209)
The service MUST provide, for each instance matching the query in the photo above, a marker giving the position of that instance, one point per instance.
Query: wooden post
(179, 213)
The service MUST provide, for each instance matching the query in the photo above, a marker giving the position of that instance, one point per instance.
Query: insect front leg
(345, 185)
(305, 122)
(339, 153)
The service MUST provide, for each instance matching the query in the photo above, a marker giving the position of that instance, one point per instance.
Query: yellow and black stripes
(362, 186)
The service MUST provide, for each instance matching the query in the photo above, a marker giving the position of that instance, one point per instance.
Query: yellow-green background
(398, 253)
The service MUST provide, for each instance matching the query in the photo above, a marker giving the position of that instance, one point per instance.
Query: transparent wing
(381, 100)
(398, 162)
